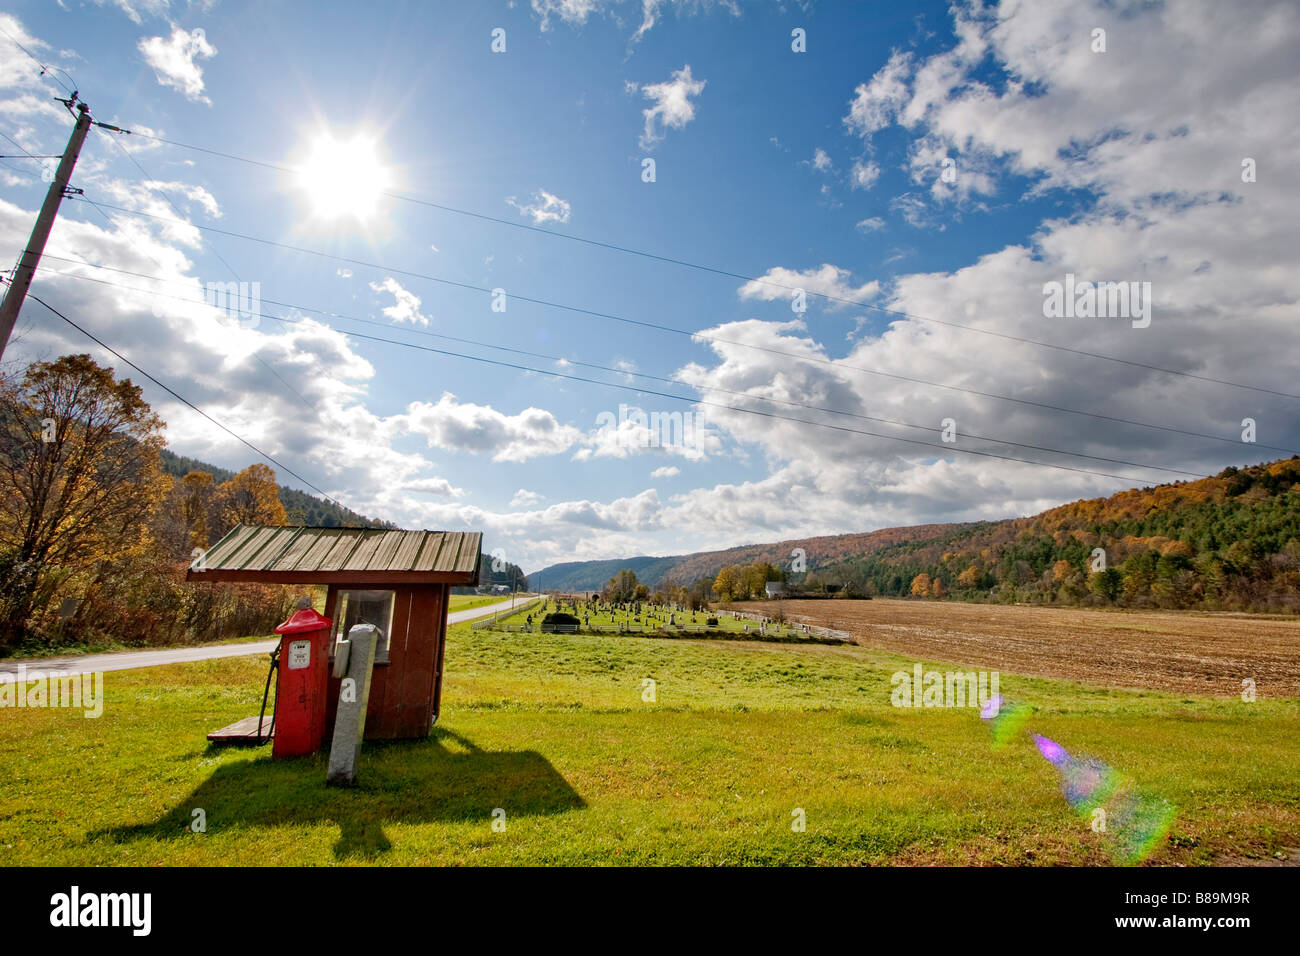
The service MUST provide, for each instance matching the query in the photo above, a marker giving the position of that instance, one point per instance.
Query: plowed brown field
(1184, 652)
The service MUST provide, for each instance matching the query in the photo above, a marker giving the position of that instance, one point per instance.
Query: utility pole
(31, 257)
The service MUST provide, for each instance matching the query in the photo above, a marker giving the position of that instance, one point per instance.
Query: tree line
(95, 536)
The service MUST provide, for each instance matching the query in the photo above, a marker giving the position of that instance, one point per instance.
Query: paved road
(127, 660)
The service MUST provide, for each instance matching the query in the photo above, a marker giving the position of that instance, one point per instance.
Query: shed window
(365, 607)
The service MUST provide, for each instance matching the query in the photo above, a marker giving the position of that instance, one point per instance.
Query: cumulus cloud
(828, 280)
(406, 304)
(667, 471)
(524, 498)
(877, 102)
(672, 107)
(545, 207)
(174, 59)
(439, 487)
(482, 430)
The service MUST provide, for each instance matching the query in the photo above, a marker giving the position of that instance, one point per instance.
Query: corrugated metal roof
(253, 548)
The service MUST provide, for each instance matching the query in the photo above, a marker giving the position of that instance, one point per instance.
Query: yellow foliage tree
(251, 497)
(921, 585)
(725, 585)
(79, 479)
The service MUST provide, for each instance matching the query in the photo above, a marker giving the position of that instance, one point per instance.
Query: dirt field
(1185, 652)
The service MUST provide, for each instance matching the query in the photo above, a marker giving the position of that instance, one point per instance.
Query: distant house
(775, 589)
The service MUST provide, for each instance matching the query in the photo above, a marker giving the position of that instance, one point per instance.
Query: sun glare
(344, 178)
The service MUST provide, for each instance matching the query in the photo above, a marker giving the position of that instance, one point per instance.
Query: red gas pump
(301, 684)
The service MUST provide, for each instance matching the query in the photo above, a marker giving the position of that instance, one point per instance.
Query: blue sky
(938, 162)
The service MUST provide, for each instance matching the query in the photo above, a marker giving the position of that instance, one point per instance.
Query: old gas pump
(301, 683)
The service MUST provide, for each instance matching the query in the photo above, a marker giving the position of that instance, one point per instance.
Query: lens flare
(1135, 822)
(1005, 719)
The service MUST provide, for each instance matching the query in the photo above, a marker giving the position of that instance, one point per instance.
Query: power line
(692, 335)
(591, 365)
(946, 448)
(671, 260)
(229, 267)
(180, 398)
(45, 70)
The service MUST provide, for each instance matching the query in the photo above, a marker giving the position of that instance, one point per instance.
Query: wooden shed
(397, 580)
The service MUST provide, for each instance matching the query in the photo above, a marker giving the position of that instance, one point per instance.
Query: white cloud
(575, 13)
(482, 430)
(406, 304)
(439, 487)
(136, 10)
(875, 104)
(545, 207)
(864, 174)
(672, 107)
(667, 471)
(871, 224)
(525, 499)
(826, 280)
(173, 60)
(821, 160)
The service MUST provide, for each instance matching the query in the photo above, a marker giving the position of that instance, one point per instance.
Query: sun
(344, 177)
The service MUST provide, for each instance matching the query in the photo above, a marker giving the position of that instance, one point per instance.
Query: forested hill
(300, 507)
(1228, 541)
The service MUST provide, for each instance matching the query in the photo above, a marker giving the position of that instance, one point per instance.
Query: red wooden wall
(405, 692)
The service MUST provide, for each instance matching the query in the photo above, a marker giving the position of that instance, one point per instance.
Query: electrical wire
(945, 448)
(591, 365)
(672, 260)
(185, 401)
(698, 336)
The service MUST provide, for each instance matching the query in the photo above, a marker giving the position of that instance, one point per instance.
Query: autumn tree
(251, 497)
(197, 491)
(921, 585)
(754, 577)
(79, 478)
(622, 587)
(181, 525)
(970, 578)
(727, 584)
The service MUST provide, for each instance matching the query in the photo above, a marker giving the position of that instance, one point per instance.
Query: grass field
(554, 731)
(465, 602)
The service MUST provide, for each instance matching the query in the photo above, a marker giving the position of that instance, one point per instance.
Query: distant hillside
(1230, 541)
(684, 568)
(301, 507)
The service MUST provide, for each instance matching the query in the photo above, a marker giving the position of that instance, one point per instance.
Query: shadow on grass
(400, 782)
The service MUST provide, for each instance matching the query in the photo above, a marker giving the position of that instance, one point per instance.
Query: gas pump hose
(275, 666)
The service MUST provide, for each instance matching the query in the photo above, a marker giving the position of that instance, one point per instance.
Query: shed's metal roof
(272, 553)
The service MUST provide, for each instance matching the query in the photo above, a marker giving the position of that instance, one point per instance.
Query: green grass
(464, 602)
(553, 729)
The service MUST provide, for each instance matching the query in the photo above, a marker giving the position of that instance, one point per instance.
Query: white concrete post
(354, 695)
